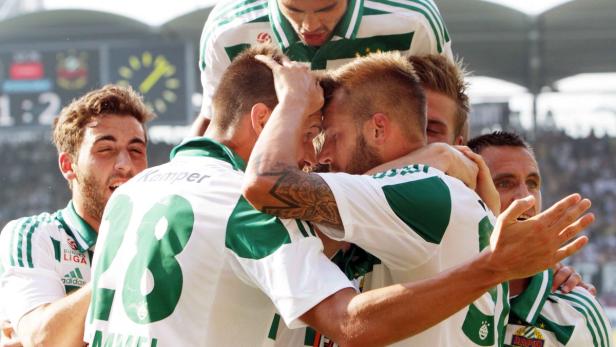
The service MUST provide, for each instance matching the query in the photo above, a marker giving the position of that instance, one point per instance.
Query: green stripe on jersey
(563, 333)
(347, 49)
(230, 9)
(596, 313)
(56, 248)
(223, 21)
(274, 328)
(408, 6)
(29, 243)
(233, 51)
(501, 327)
(424, 205)
(588, 310)
(301, 227)
(252, 234)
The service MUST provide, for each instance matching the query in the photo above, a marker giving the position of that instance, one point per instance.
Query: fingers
(571, 248)
(572, 214)
(515, 210)
(591, 289)
(575, 228)
(552, 214)
(269, 61)
(562, 276)
(573, 281)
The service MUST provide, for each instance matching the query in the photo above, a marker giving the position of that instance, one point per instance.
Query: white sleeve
(430, 35)
(288, 266)
(26, 287)
(213, 61)
(373, 223)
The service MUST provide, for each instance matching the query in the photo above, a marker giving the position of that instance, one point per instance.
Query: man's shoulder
(231, 17)
(44, 221)
(400, 7)
(19, 235)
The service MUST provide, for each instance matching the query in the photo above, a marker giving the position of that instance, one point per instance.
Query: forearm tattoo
(302, 196)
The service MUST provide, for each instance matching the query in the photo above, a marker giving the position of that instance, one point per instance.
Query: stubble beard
(363, 158)
(94, 200)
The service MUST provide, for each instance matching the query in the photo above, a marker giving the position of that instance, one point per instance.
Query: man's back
(182, 246)
(419, 222)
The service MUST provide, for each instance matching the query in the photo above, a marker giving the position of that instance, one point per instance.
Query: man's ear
(259, 114)
(67, 166)
(459, 141)
(380, 125)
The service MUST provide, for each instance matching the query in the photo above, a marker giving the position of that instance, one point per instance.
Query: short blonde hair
(382, 82)
(439, 74)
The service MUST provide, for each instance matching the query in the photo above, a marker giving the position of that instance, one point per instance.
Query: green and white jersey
(184, 260)
(540, 318)
(42, 258)
(414, 27)
(418, 222)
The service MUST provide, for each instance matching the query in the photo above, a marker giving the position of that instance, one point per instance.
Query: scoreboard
(36, 81)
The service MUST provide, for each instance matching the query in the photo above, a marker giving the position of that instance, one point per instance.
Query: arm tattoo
(303, 196)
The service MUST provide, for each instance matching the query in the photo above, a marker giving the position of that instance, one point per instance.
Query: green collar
(85, 236)
(286, 35)
(529, 303)
(206, 147)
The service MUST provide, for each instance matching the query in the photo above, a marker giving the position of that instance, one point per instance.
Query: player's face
(113, 150)
(441, 118)
(312, 128)
(515, 174)
(314, 21)
(345, 148)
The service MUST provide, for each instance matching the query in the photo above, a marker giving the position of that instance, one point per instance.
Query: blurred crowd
(586, 165)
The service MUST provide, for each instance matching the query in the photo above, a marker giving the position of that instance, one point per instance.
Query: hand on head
(296, 86)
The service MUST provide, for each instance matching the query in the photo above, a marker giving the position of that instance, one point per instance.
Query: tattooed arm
(283, 190)
(274, 183)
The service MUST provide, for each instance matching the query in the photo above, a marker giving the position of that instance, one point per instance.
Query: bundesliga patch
(527, 337)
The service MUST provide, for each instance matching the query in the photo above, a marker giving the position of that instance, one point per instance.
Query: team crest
(264, 38)
(72, 70)
(527, 337)
(72, 244)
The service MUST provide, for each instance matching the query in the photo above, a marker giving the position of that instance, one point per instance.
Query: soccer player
(416, 220)
(185, 260)
(538, 317)
(320, 33)
(101, 142)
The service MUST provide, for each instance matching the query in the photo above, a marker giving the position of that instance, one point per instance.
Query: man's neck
(95, 223)
(516, 287)
(242, 145)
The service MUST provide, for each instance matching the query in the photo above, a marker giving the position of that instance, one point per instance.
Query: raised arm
(273, 183)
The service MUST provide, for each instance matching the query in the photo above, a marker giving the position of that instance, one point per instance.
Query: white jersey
(411, 27)
(42, 258)
(418, 222)
(544, 319)
(184, 260)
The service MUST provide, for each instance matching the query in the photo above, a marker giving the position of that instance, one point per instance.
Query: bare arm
(385, 315)
(60, 323)
(273, 182)
(438, 155)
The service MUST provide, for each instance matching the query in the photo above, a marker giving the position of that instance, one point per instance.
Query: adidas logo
(74, 278)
